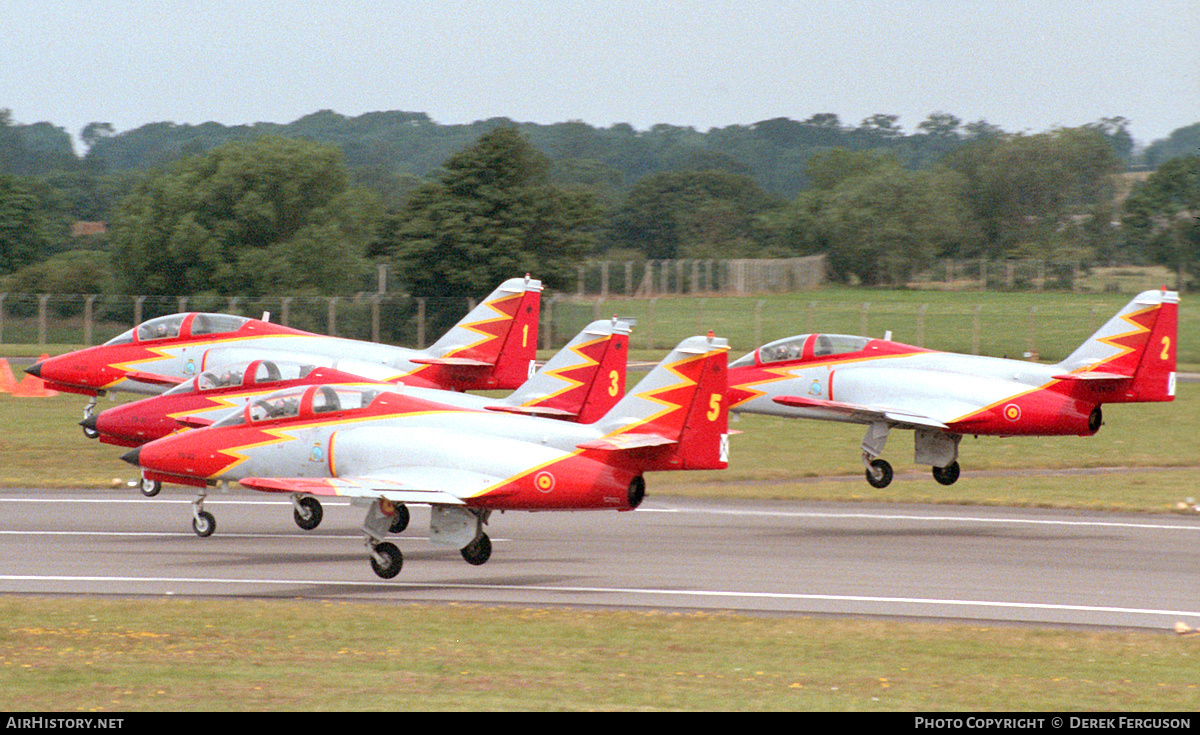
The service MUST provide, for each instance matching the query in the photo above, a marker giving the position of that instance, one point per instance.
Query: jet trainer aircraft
(579, 383)
(493, 347)
(385, 448)
(943, 396)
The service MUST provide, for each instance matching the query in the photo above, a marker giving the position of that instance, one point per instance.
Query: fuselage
(967, 394)
(509, 461)
(172, 349)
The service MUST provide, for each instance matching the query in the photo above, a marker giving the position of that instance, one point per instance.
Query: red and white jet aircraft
(385, 448)
(943, 396)
(579, 383)
(493, 347)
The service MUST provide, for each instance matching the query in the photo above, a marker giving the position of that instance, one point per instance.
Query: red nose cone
(180, 456)
(131, 425)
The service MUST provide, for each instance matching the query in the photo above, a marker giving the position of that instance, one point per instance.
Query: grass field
(100, 654)
(179, 655)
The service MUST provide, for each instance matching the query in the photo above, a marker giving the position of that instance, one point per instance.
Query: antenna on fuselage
(266, 317)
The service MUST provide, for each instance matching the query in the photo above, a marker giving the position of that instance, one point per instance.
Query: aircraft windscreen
(121, 339)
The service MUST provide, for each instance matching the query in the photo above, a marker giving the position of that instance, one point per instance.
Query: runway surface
(916, 562)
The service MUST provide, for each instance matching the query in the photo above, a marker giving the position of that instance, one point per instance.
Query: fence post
(921, 324)
(331, 317)
(758, 323)
(43, 299)
(89, 302)
(975, 330)
(285, 306)
(2, 297)
(862, 326)
(375, 317)
(421, 323)
(1031, 351)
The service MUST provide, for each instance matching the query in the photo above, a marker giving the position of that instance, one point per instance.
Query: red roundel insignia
(1012, 412)
(544, 481)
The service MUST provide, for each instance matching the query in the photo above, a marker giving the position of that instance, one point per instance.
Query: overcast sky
(1024, 65)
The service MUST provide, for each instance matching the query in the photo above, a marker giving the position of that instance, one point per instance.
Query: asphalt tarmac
(943, 562)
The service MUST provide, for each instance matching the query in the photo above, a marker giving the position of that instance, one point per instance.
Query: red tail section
(1154, 378)
(677, 417)
(518, 353)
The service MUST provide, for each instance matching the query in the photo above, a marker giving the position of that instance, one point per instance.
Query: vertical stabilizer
(501, 332)
(681, 404)
(583, 380)
(1138, 343)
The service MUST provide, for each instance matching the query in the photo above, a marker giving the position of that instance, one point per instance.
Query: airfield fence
(1045, 327)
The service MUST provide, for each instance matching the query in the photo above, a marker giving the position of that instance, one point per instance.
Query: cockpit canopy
(803, 347)
(191, 324)
(257, 372)
(309, 401)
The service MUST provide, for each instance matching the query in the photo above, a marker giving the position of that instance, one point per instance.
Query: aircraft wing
(433, 485)
(859, 412)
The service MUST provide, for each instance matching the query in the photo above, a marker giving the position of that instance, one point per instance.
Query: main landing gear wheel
(308, 513)
(204, 524)
(400, 518)
(386, 559)
(879, 473)
(150, 488)
(947, 475)
(478, 551)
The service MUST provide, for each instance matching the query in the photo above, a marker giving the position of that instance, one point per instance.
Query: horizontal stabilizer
(452, 362)
(1092, 376)
(619, 442)
(547, 411)
(153, 378)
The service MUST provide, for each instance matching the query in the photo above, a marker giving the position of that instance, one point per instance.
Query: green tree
(881, 227)
(490, 215)
(1025, 189)
(267, 216)
(691, 214)
(1162, 216)
(30, 228)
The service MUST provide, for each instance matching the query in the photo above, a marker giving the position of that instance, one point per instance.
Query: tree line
(315, 206)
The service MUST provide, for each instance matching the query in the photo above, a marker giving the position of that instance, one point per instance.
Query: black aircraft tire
(400, 519)
(204, 524)
(947, 475)
(883, 469)
(392, 560)
(314, 513)
(478, 551)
